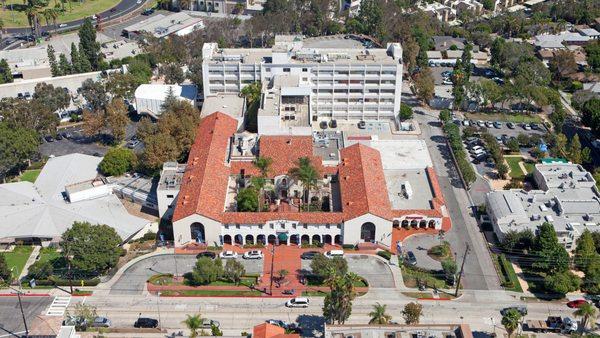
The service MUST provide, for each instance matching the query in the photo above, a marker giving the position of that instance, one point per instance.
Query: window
(294, 226)
(326, 226)
(237, 226)
(305, 226)
(169, 196)
(282, 225)
(260, 226)
(226, 226)
(271, 226)
(305, 70)
(286, 70)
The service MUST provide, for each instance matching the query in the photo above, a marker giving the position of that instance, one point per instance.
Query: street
(11, 320)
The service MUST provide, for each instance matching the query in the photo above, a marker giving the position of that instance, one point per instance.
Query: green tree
(94, 248)
(40, 270)
(5, 273)
(84, 63)
(337, 305)
(88, 43)
(205, 271)
(518, 240)
(5, 72)
(586, 156)
(370, 15)
(233, 271)
(172, 73)
(54, 68)
(406, 112)
(445, 116)
(122, 85)
(562, 64)
(76, 65)
(449, 267)
(502, 170)
(591, 280)
(561, 282)
(63, 65)
(552, 256)
(412, 313)
(95, 94)
(511, 321)
(18, 145)
(590, 115)
(513, 145)
(585, 251)
(588, 314)
(194, 73)
(326, 268)
(54, 98)
(424, 85)
(378, 315)
(193, 323)
(308, 175)
(140, 69)
(574, 150)
(247, 200)
(117, 161)
(116, 115)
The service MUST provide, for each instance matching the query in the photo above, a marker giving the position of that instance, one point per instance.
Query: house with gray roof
(67, 190)
(567, 197)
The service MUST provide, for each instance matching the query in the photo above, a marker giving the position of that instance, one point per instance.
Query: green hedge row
(53, 280)
(454, 140)
(385, 254)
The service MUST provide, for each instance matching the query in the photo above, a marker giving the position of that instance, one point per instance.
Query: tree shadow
(311, 325)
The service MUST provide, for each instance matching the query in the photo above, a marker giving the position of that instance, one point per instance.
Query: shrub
(41, 270)
(385, 254)
(349, 246)
(117, 161)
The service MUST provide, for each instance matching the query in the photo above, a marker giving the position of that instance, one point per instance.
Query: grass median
(211, 293)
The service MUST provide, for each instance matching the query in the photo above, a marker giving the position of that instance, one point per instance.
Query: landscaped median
(168, 285)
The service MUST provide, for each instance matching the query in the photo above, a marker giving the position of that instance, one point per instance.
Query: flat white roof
(160, 91)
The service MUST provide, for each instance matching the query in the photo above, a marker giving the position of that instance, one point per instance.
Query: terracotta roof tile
(204, 183)
(266, 330)
(362, 184)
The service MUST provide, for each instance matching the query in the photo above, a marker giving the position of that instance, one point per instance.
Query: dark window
(286, 70)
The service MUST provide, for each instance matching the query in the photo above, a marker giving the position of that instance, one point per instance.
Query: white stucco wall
(182, 233)
(383, 229)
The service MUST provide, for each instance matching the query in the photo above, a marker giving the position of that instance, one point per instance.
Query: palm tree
(306, 173)
(263, 164)
(511, 320)
(378, 315)
(32, 19)
(193, 323)
(282, 273)
(586, 311)
(185, 4)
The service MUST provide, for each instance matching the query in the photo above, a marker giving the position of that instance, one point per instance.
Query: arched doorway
(238, 239)
(316, 239)
(367, 232)
(396, 224)
(305, 239)
(197, 232)
(227, 239)
(414, 223)
(272, 239)
(405, 223)
(249, 239)
(338, 239)
(260, 239)
(294, 239)
(423, 224)
(327, 239)
(432, 223)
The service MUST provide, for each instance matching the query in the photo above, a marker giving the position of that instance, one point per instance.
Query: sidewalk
(30, 260)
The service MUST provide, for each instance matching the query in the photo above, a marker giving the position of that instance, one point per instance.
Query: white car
(297, 302)
(334, 253)
(596, 143)
(253, 254)
(526, 127)
(62, 25)
(228, 255)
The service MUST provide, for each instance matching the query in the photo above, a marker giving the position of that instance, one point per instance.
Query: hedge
(385, 254)
(349, 246)
(52, 280)
(464, 166)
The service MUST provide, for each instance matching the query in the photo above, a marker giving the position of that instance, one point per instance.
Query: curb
(26, 295)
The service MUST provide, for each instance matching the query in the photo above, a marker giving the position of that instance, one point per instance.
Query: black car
(309, 255)
(520, 309)
(146, 323)
(49, 138)
(208, 254)
(148, 11)
(59, 137)
(410, 258)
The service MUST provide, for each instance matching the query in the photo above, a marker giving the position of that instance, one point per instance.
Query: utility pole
(462, 267)
(22, 313)
(158, 308)
(272, 263)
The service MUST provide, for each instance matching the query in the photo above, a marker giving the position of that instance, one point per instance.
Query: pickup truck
(552, 324)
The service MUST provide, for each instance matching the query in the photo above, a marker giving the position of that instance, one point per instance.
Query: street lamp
(69, 259)
(158, 307)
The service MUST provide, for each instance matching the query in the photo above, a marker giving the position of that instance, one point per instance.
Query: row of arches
(272, 239)
(423, 224)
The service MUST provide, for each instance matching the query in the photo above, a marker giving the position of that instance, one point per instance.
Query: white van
(297, 302)
(334, 253)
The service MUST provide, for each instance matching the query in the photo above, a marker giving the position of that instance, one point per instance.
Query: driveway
(419, 245)
(373, 269)
(134, 279)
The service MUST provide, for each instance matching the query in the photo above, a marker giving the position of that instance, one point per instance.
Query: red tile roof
(204, 183)
(266, 330)
(362, 184)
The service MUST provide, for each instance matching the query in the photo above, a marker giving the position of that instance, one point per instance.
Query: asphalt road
(122, 8)
(10, 313)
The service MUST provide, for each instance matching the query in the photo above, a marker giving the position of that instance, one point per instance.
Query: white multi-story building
(343, 83)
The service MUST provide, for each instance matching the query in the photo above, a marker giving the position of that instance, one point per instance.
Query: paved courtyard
(419, 245)
(373, 269)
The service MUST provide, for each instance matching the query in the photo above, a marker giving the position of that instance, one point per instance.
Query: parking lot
(439, 73)
(373, 269)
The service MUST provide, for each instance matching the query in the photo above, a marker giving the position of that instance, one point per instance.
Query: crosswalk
(59, 306)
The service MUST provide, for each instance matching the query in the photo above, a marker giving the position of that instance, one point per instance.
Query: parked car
(228, 255)
(253, 254)
(101, 322)
(297, 302)
(49, 138)
(596, 143)
(476, 149)
(521, 309)
(281, 323)
(526, 126)
(410, 258)
(334, 253)
(208, 323)
(466, 123)
(62, 25)
(535, 126)
(143, 322)
(309, 254)
(510, 125)
(208, 254)
(497, 125)
(362, 125)
(480, 123)
(489, 124)
(59, 137)
(148, 11)
(446, 82)
(132, 144)
(574, 304)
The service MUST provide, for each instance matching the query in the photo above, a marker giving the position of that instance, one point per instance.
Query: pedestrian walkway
(59, 306)
(286, 258)
(30, 260)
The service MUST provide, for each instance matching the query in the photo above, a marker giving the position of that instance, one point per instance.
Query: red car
(576, 303)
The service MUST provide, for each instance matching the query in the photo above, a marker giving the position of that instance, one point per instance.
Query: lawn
(17, 258)
(72, 10)
(516, 118)
(507, 274)
(431, 278)
(49, 254)
(30, 175)
(211, 293)
(515, 169)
